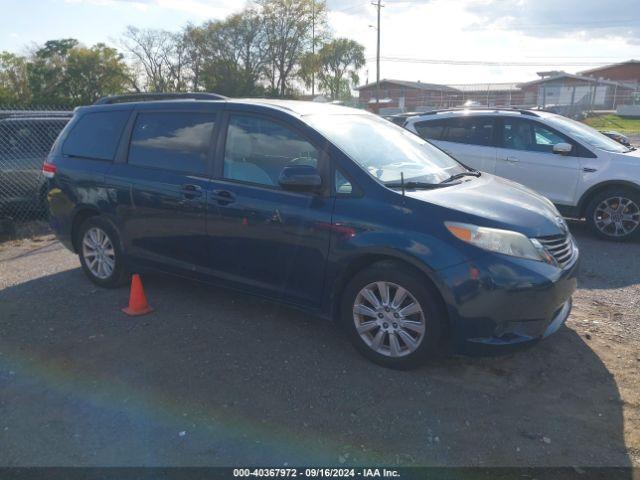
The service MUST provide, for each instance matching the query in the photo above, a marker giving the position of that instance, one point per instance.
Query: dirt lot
(218, 378)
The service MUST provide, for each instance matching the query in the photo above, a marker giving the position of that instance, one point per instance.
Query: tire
(93, 232)
(620, 201)
(432, 316)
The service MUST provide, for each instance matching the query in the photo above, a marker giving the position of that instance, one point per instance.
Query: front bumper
(498, 303)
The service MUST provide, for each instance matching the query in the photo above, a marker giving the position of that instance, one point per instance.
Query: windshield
(385, 150)
(585, 133)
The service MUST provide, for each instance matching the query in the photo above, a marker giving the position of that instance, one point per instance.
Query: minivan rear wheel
(391, 315)
(100, 253)
(615, 214)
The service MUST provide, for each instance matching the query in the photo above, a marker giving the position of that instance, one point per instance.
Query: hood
(498, 203)
(632, 157)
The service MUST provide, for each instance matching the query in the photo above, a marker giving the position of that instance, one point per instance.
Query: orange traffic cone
(137, 300)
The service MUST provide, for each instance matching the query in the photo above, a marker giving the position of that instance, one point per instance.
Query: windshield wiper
(413, 185)
(458, 176)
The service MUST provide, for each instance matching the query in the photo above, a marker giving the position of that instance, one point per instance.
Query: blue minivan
(327, 208)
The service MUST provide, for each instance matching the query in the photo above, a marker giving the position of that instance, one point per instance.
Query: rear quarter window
(96, 135)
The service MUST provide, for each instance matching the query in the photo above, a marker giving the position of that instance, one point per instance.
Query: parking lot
(213, 377)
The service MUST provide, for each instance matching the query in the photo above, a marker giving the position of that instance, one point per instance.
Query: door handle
(511, 159)
(191, 191)
(223, 197)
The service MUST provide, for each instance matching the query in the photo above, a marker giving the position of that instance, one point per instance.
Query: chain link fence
(26, 136)
(567, 96)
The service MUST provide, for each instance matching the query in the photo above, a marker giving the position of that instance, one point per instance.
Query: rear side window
(172, 141)
(96, 135)
(469, 130)
(433, 130)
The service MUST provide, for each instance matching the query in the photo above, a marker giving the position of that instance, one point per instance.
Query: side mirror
(302, 178)
(562, 148)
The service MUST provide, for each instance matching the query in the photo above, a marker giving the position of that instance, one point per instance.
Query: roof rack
(492, 109)
(151, 97)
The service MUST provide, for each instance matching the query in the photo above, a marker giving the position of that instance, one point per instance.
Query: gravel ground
(219, 378)
(634, 139)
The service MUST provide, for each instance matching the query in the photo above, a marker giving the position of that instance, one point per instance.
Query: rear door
(270, 240)
(525, 155)
(469, 139)
(162, 182)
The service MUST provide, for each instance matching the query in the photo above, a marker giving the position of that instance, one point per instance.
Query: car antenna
(402, 182)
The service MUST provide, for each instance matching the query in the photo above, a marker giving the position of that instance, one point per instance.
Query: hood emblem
(562, 224)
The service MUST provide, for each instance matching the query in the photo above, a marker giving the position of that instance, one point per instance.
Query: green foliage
(232, 54)
(62, 72)
(337, 67)
(95, 72)
(614, 122)
(257, 51)
(289, 27)
(14, 83)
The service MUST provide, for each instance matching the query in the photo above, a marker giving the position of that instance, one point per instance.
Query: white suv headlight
(506, 242)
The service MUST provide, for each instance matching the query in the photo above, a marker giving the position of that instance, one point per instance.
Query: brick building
(602, 88)
(625, 72)
(557, 88)
(401, 95)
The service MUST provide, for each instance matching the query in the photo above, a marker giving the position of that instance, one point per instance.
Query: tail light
(48, 169)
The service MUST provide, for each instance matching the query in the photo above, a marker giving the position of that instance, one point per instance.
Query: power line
(576, 24)
(346, 9)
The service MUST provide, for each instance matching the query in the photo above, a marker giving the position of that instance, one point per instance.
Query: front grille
(560, 247)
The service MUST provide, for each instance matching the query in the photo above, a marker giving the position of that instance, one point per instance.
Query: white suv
(586, 174)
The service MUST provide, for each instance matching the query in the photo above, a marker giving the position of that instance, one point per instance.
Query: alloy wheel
(389, 319)
(98, 253)
(617, 216)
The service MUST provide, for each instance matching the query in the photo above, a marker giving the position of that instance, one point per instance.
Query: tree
(228, 56)
(47, 72)
(14, 80)
(288, 28)
(162, 58)
(309, 68)
(95, 72)
(337, 66)
(63, 72)
(193, 39)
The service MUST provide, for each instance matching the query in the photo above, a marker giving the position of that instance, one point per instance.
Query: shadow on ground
(218, 378)
(605, 264)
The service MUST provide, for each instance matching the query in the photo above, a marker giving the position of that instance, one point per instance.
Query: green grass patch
(614, 122)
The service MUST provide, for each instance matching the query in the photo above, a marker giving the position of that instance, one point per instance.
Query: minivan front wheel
(100, 253)
(615, 214)
(391, 316)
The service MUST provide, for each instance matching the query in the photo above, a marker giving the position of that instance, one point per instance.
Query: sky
(434, 41)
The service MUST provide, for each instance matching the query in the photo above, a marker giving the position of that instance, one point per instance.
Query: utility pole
(313, 46)
(378, 6)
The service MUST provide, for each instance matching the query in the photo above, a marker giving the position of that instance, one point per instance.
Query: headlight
(500, 241)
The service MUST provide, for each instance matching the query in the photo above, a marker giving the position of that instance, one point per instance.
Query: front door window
(258, 149)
